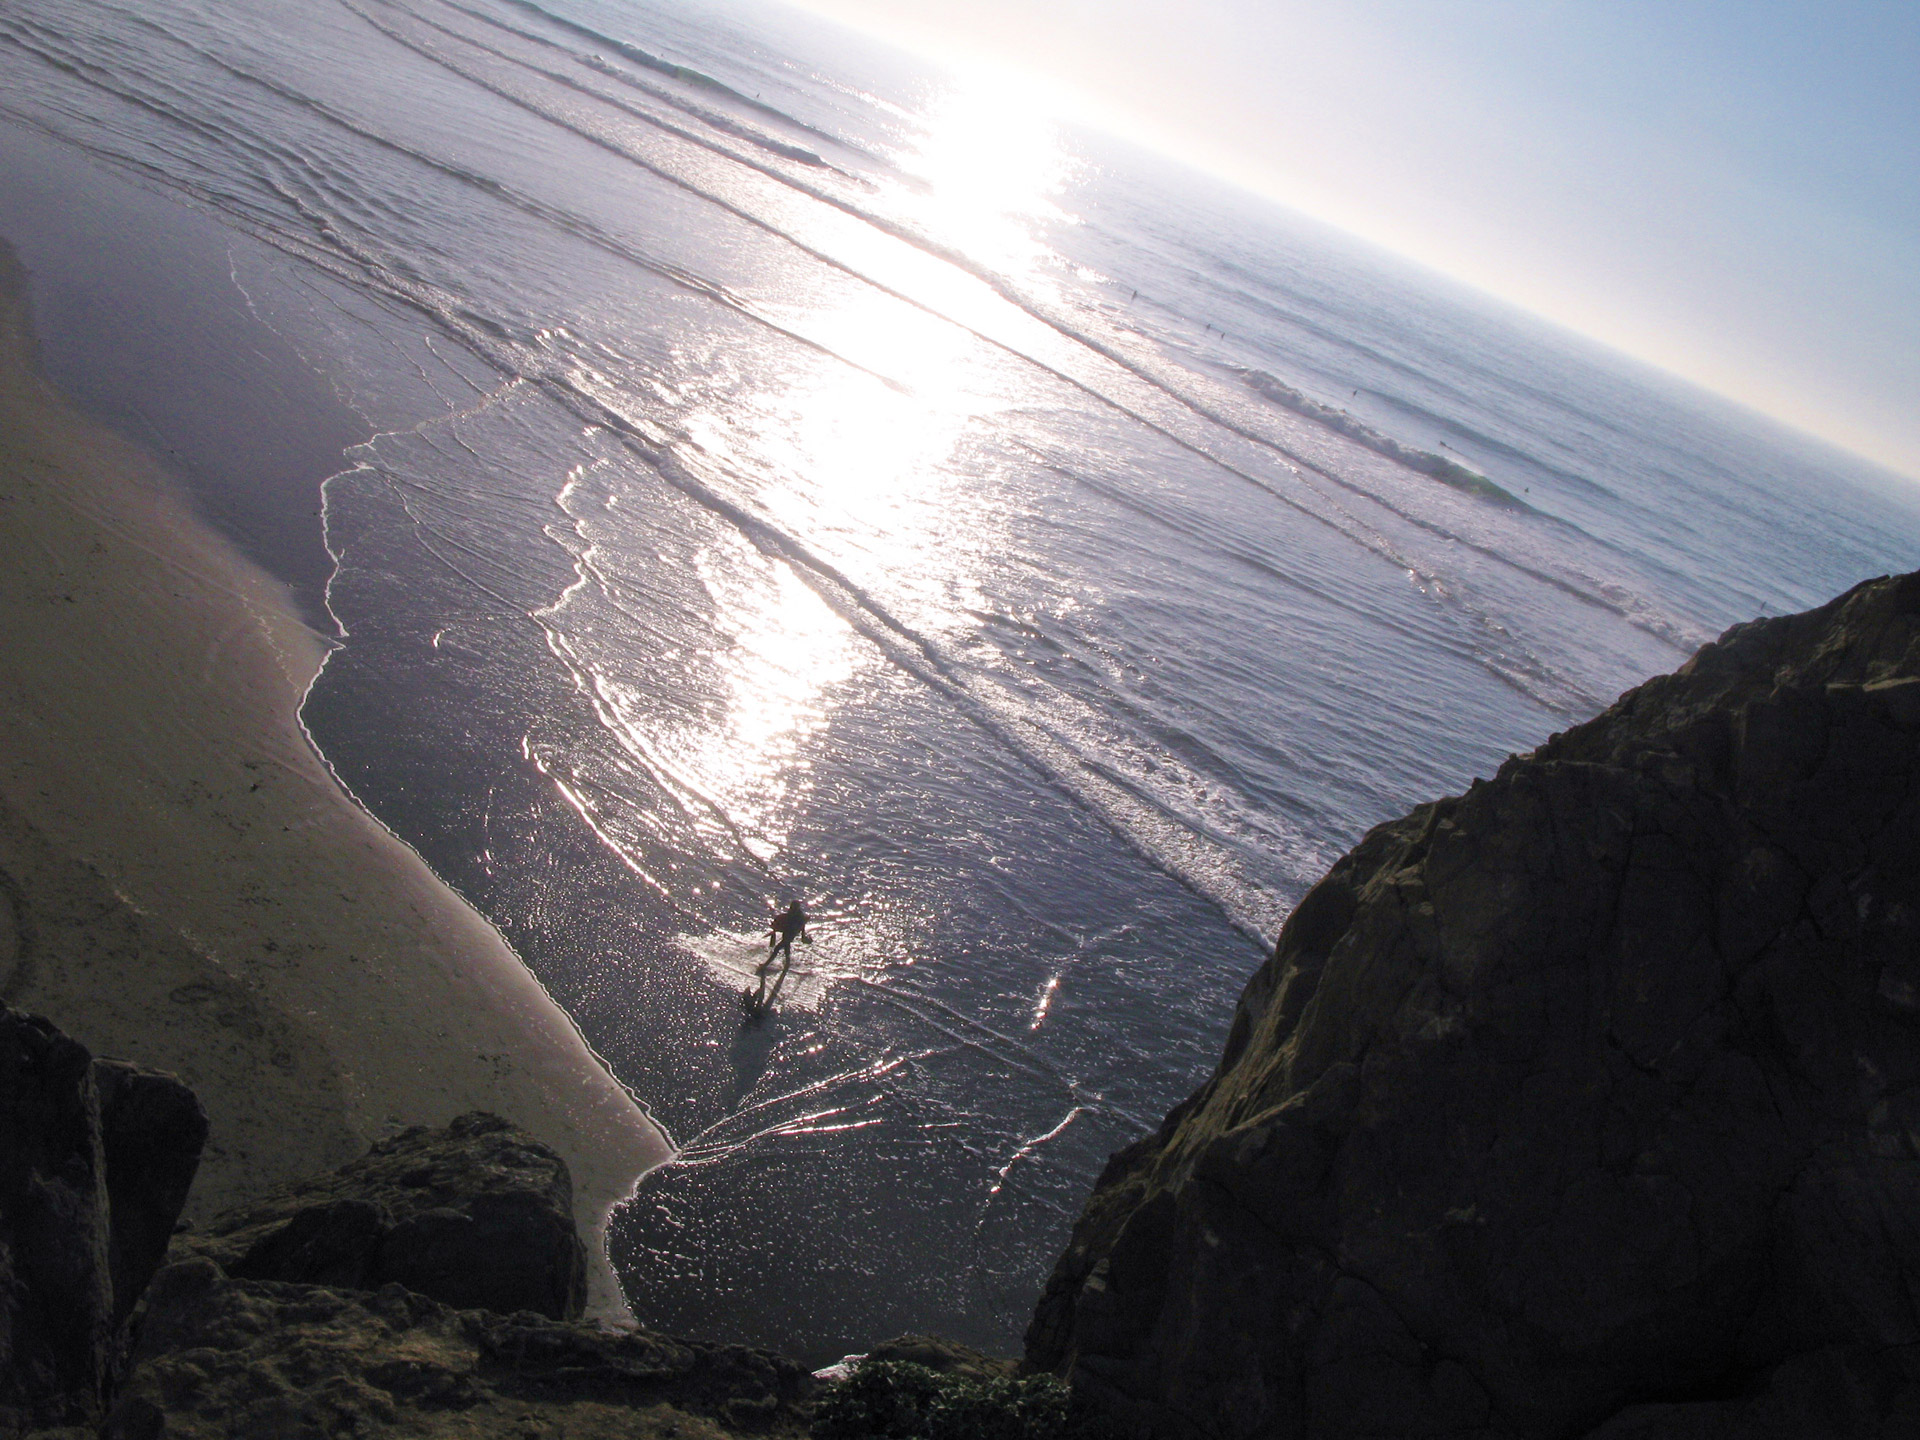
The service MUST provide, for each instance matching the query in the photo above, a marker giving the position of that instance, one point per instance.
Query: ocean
(739, 463)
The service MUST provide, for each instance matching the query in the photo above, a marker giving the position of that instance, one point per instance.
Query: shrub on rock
(899, 1400)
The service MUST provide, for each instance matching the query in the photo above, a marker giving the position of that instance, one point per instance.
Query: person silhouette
(781, 931)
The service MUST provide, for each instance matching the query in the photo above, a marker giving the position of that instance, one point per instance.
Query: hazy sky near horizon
(1729, 189)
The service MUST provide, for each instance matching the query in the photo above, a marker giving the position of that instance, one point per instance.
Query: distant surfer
(781, 932)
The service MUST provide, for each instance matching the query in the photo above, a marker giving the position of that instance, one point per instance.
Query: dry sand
(183, 882)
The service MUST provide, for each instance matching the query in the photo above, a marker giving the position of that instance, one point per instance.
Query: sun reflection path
(991, 163)
(858, 455)
(849, 468)
(864, 476)
(786, 653)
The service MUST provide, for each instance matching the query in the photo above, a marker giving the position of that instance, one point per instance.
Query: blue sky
(1729, 189)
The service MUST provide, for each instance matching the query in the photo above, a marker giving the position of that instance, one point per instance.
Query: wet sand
(183, 882)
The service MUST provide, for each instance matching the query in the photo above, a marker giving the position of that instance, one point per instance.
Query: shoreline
(185, 882)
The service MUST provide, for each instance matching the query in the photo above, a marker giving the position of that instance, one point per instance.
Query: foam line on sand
(183, 883)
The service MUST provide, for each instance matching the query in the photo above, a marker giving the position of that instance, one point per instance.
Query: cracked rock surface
(1586, 1103)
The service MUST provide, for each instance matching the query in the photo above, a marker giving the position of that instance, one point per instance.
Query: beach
(187, 885)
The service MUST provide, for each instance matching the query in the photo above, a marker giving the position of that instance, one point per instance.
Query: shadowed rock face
(478, 1215)
(152, 1130)
(1587, 1102)
(56, 1295)
(95, 1160)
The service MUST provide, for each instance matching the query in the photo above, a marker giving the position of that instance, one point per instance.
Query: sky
(1726, 189)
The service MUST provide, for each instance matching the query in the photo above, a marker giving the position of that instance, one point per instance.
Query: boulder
(478, 1215)
(220, 1357)
(1585, 1103)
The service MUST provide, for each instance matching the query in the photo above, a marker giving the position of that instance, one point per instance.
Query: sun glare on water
(860, 473)
(865, 452)
(986, 172)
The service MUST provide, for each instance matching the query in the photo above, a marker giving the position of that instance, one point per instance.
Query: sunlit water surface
(798, 473)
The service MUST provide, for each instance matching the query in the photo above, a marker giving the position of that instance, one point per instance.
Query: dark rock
(220, 1357)
(1835, 1392)
(96, 1157)
(943, 1357)
(332, 1242)
(152, 1131)
(56, 1291)
(1588, 1101)
(527, 1356)
(479, 1215)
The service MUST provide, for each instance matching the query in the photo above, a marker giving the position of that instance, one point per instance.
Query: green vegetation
(897, 1400)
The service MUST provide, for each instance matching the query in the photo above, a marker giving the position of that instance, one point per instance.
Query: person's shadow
(752, 1053)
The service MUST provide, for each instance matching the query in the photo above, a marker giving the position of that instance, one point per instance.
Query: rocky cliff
(432, 1287)
(1586, 1103)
